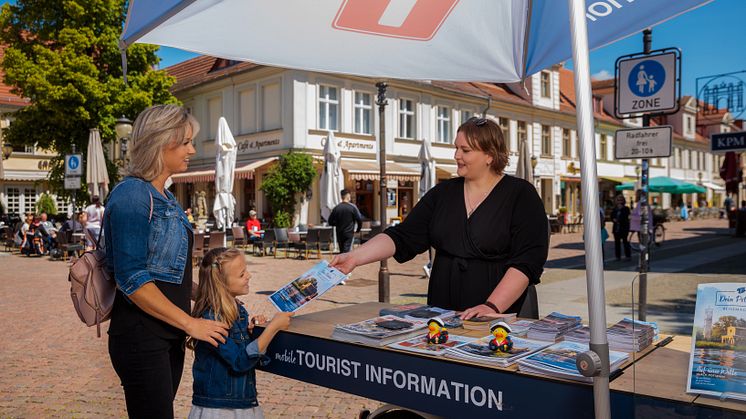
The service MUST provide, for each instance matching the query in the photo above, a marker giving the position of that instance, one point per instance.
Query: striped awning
(24, 175)
(370, 170)
(246, 171)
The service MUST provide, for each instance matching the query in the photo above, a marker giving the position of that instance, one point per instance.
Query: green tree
(46, 204)
(294, 174)
(64, 56)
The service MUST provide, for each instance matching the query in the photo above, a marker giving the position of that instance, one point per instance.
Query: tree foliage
(46, 204)
(64, 56)
(293, 174)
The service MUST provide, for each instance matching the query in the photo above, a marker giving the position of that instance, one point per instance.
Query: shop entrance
(364, 198)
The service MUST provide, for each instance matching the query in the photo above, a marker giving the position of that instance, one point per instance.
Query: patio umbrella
(524, 170)
(225, 165)
(664, 184)
(332, 181)
(427, 165)
(476, 40)
(95, 172)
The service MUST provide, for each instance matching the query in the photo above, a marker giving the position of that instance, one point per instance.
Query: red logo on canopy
(410, 19)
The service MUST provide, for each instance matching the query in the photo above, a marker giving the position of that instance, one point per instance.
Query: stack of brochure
(552, 327)
(558, 360)
(478, 351)
(421, 345)
(417, 311)
(483, 323)
(520, 328)
(625, 336)
(379, 331)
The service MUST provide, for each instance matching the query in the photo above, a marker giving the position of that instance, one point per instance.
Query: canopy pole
(589, 186)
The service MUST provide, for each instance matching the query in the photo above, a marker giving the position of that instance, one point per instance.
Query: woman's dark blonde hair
(212, 290)
(156, 128)
(485, 135)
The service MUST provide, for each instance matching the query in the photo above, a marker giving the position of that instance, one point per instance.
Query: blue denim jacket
(139, 247)
(225, 377)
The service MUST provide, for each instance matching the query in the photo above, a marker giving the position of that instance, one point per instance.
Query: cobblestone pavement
(53, 366)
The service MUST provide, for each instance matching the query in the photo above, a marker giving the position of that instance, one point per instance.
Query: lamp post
(123, 129)
(7, 151)
(534, 162)
(383, 271)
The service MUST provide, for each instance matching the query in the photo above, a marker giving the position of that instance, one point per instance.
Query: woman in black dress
(489, 231)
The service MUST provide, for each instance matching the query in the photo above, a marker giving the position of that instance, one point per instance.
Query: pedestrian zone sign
(74, 165)
(647, 83)
(643, 143)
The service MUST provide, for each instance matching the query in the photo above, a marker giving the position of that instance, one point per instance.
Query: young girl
(224, 376)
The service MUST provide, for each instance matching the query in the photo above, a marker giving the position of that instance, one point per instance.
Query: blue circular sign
(646, 78)
(73, 162)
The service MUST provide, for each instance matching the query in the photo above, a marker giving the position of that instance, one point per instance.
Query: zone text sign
(647, 84)
(728, 141)
(643, 143)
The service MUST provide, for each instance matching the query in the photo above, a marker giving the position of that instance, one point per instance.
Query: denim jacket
(225, 377)
(139, 247)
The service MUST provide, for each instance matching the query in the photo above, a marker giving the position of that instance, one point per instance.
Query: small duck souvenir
(501, 342)
(437, 332)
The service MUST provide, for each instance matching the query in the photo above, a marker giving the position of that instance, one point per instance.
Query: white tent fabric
(474, 40)
(225, 165)
(523, 169)
(332, 180)
(427, 164)
(96, 174)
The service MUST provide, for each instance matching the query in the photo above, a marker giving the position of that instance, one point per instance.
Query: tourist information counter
(651, 384)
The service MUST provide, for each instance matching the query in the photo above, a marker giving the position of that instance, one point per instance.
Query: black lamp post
(383, 272)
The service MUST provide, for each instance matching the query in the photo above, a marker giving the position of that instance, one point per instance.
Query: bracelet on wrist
(492, 306)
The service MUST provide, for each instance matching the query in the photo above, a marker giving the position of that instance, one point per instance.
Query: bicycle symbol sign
(647, 78)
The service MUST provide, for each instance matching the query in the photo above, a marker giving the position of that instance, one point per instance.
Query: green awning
(665, 184)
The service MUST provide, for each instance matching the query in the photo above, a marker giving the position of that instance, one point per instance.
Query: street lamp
(7, 151)
(534, 162)
(123, 129)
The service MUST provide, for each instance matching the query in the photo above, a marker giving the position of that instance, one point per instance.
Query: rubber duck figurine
(437, 332)
(501, 341)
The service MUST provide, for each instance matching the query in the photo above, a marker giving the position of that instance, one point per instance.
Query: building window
(363, 112)
(271, 107)
(444, 124)
(522, 132)
(676, 158)
(566, 144)
(214, 112)
(546, 140)
(13, 196)
(603, 147)
(505, 128)
(61, 204)
(546, 84)
(247, 109)
(30, 201)
(328, 108)
(406, 118)
(465, 115)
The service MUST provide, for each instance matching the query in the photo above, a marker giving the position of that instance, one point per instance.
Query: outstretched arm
(378, 248)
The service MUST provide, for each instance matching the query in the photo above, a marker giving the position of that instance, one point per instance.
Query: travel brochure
(421, 345)
(558, 361)
(380, 330)
(311, 284)
(717, 364)
(478, 351)
(627, 335)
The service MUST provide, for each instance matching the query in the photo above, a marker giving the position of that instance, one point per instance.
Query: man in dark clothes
(345, 216)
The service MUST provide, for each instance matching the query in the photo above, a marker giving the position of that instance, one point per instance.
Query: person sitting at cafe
(254, 227)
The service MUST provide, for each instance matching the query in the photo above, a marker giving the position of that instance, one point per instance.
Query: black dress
(508, 229)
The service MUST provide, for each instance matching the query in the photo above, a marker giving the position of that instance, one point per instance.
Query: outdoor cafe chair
(239, 238)
(266, 242)
(326, 240)
(67, 245)
(282, 241)
(198, 249)
(311, 244)
(216, 239)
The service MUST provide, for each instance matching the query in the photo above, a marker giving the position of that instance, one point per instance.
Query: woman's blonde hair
(212, 290)
(156, 128)
(485, 135)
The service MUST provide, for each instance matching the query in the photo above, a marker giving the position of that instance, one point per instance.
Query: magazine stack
(479, 352)
(420, 344)
(625, 336)
(558, 361)
(552, 327)
(379, 331)
(417, 312)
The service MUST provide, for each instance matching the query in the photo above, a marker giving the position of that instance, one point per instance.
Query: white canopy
(225, 165)
(427, 164)
(96, 174)
(332, 181)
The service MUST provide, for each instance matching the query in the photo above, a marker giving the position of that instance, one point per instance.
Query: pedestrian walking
(347, 219)
(148, 248)
(620, 217)
(219, 371)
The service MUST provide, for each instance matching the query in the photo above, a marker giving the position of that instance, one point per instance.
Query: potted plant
(562, 214)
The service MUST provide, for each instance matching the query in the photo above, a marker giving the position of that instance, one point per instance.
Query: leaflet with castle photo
(717, 364)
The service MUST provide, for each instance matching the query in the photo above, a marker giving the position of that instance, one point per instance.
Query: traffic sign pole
(647, 40)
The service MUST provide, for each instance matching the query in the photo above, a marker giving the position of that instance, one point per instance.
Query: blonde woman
(148, 249)
(489, 231)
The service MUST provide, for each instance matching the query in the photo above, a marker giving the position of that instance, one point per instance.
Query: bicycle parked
(657, 236)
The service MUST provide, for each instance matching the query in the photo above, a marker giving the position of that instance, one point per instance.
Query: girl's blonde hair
(156, 128)
(212, 290)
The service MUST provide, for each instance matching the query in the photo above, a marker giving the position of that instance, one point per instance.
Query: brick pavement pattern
(53, 366)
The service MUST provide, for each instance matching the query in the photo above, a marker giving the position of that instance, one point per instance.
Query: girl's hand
(258, 319)
(281, 321)
(477, 311)
(345, 262)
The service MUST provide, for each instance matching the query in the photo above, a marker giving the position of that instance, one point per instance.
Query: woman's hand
(258, 319)
(477, 311)
(345, 262)
(208, 331)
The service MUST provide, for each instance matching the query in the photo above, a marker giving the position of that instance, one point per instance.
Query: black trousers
(150, 368)
(619, 240)
(345, 242)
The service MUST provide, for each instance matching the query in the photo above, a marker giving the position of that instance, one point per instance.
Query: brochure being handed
(311, 284)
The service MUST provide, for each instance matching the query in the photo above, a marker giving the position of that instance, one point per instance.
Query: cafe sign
(252, 143)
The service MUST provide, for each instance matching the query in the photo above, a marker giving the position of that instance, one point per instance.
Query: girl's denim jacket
(225, 377)
(141, 247)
